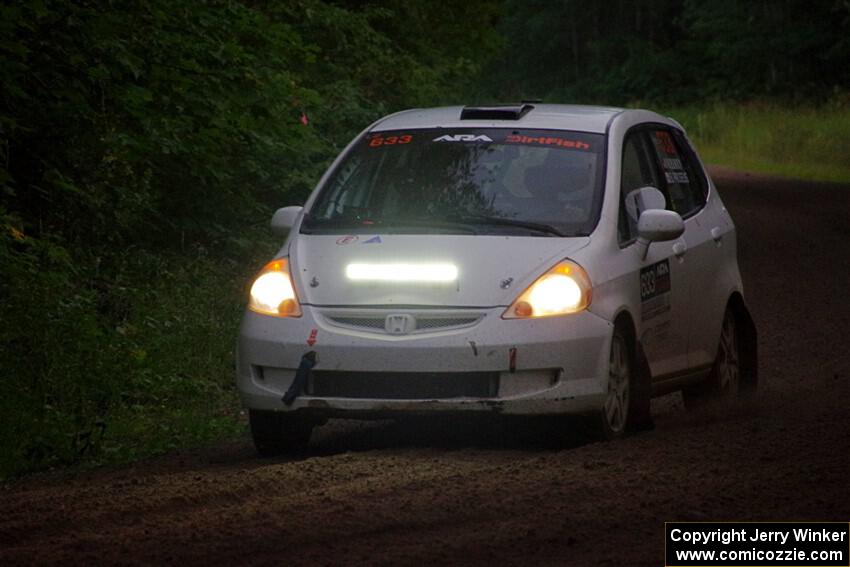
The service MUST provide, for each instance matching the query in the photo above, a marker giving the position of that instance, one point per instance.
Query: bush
(142, 145)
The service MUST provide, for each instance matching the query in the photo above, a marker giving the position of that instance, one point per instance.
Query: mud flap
(308, 361)
(640, 414)
(748, 349)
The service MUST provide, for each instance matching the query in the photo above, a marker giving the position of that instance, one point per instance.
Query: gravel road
(383, 493)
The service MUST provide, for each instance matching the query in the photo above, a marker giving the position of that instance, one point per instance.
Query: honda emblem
(399, 324)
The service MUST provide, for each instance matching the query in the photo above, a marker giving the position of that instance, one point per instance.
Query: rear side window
(700, 183)
(684, 184)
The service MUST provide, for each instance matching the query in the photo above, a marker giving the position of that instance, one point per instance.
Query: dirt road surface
(384, 493)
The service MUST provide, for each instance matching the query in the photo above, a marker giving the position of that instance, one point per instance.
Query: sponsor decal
(373, 240)
(656, 335)
(665, 142)
(347, 239)
(311, 340)
(378, 140)
(672, 163)
(546, 141)
(676, 177)
(655, 288)
(674, 171)
(463, 138)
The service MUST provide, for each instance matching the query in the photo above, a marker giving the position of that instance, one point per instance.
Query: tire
(724, 383)
(613, 420)
(277, 433)
(640, 411)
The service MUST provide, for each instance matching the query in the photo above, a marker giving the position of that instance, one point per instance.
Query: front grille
(361, 322)
(423, 322)
(403, 385)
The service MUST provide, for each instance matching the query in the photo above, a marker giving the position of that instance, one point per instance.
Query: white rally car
(521, 259)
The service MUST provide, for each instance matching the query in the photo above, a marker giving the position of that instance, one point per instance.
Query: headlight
(563, 289)
(273, 293)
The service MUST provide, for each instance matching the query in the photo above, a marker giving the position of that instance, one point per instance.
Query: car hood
(491, 270)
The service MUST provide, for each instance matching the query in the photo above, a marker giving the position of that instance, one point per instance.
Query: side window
(637, 172)
(684, 190)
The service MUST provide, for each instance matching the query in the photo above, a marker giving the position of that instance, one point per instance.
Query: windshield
(464, 181)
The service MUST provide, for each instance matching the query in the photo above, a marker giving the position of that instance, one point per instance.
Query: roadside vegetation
(800, 141)
(144, 147)
(761, 86)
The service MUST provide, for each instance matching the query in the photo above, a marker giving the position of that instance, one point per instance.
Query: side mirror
(657, 225)
(643, 199)
(285, 218)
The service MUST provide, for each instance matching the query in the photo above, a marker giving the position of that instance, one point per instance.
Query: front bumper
(560, 364)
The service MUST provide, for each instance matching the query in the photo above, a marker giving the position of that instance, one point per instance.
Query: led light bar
(417, 273)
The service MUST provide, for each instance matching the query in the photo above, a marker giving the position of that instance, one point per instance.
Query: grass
(805, 142)
(144, 431)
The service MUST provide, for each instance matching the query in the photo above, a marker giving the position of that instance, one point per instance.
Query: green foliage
(142, 145)
(791, 48)
(123, 114)
(101, 366)
(671, 51)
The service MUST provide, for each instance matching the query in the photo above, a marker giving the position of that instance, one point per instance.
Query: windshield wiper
(312, 223)
(450, 224)
(378, 224)
(501, 221)
(466, 222)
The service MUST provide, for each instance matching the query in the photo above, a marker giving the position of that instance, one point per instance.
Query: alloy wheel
(728, 368)
(616, 406)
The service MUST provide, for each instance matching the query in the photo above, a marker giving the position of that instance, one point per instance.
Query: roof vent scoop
(495, 112)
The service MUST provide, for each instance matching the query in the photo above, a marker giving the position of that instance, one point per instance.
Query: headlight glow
(563, 289)
(272, 292)
(555, 294)
(425, 273)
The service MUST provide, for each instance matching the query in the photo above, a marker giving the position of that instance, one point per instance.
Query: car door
(705, 228)
(662, 275)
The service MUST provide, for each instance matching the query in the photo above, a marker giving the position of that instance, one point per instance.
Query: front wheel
(276, 433)
(611, 421)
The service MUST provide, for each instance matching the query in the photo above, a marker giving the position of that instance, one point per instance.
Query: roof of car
(542, 116)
